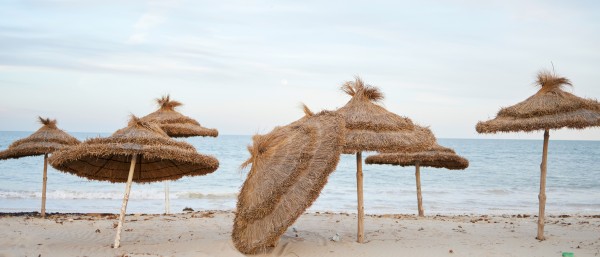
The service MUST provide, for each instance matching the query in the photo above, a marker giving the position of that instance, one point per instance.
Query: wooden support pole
(419, 196)
(359, 192)
(542, 195)
(44, 181)
(125, 200)
(167, 204)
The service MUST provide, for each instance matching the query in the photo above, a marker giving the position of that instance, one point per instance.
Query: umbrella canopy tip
(165, 103)
(134, 121)
(253, 154)
(358, 88)
(47, 122)
(306, 110)
(548, 81)
(260, 144)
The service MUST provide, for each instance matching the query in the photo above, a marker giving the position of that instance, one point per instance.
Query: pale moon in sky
(284, 82)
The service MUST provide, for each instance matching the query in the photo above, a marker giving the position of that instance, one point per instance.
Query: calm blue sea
(503, 178)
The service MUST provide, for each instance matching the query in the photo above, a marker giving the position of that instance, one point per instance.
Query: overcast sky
(245, 66)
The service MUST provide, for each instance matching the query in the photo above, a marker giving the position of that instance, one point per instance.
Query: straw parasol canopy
(289, 168)
(550, 108)
(436, 156)
(44, 141)
(108, 159)
(176, 124)
(141, 148)
(370, 127)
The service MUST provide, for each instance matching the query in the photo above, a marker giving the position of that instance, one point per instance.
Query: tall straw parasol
(44, 141)
(436, 157)
(142, 149)
(370, 127)
(175, 125)
(550, 108)
(289, 168)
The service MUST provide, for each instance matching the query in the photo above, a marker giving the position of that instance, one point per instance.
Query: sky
(244, 67)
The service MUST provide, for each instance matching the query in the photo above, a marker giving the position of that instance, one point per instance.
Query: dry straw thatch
(371, 127)
(108, 159)
(45, 140)
(290, 167)
(436, 157)
(550, 108)
(176, 124)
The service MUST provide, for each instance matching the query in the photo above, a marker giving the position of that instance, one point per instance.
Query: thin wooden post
(419, 196)
(167, 204)
(125, 200)
(359, 192)
(44, 181)
(542, 195)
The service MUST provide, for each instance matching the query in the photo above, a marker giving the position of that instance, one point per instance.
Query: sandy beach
(314, 234)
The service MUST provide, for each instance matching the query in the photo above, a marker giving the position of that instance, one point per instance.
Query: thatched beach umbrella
(141, 152)
(289, 168)
(436, 157)
(549, 108)
(370, 127)
(176, 124)
(44, 141)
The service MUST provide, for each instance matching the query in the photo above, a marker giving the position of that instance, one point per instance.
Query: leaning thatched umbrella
(370, 127)
(549, 108)
(46, 140)
(436, 157)
(290, 167)
(142, 149)
(176, 124)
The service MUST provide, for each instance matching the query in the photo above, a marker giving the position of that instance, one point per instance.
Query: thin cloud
(143, 26)
(137, 38)
(147, 66)
(149, 21)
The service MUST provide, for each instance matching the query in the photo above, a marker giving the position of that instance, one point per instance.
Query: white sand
(208, 234)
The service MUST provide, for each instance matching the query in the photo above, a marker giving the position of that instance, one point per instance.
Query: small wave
(498, 192)
(17, 194)
(64, 194)
(197, 195)
(143, 195)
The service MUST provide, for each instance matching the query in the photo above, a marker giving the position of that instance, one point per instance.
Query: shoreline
(377, 215)
(207, 233)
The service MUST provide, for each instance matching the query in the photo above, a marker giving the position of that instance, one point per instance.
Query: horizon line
(249, 135)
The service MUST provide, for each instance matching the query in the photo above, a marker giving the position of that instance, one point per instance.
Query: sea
(503, 178)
